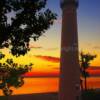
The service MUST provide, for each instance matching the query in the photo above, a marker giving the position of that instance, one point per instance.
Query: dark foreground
(42, 96)
(91, 95)
(86, 95)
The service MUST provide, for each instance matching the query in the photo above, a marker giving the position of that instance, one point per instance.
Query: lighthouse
(69, 64)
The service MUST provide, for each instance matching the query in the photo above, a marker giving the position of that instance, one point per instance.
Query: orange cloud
(34, 46)
(51, 49)
(96, 47)
(49, 58)
(42, 74)
(94, 71)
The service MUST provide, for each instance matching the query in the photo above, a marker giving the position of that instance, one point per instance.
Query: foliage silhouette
(29, 21)
(11, 75)
(85, 60)
(20, 22)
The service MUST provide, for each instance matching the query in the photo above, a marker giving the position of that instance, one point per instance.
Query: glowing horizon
(45, 52)
(46, 65)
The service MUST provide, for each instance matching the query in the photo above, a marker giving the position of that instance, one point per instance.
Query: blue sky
(88, 30)
(88, 25)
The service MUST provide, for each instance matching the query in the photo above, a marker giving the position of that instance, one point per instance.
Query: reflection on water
(93, 82)
(37, 85)
(42, 85)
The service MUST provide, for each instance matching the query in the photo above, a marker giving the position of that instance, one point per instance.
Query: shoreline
(35, 96)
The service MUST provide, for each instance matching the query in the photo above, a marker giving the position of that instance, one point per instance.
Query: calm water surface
(44, 85)
(37, 85)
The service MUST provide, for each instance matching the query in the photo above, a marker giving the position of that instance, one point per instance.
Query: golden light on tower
(69, 70)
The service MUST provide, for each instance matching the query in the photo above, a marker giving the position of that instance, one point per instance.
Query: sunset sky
(45, 53)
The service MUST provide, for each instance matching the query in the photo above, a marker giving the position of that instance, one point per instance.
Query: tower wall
(70, 71)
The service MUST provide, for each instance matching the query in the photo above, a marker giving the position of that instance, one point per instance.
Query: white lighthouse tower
(70, 71)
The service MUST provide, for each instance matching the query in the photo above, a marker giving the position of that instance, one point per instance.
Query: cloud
(58, 21)
(49, 65)
(94, 71)
(48, 58)
(52, 49)
(56, 68)
(41, 74)
(96, 47)
(35, 47)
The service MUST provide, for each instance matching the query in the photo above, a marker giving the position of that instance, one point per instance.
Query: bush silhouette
(11, 75)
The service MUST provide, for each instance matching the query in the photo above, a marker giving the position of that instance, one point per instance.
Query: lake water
(93, 82)
(37, 85)
(44, 85)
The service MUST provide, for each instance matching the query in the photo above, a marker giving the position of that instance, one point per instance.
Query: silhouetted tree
(22, 21)
(11, 75)
(85, 60)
